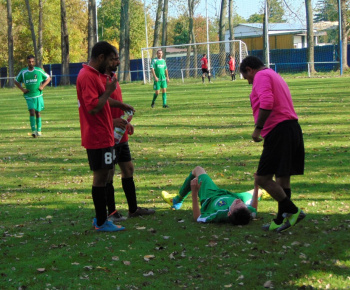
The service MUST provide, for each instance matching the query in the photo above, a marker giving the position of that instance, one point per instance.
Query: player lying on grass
(217, 205)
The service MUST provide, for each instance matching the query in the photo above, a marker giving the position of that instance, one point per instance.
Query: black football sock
(287, 206)
(130, 193)
(288, 192)
(185, 188)
(110, 197)
(99, 198)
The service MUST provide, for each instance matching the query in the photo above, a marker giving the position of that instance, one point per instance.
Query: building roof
(277, 26)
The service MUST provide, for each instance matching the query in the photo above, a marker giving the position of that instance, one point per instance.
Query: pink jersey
(97, 129)
(271, 92)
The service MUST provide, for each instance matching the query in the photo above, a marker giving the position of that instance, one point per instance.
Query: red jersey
(116, 112)
(97, 129)
(231, 64)
(204, 62)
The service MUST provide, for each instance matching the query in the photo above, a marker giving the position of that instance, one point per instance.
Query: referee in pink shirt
(283, 153)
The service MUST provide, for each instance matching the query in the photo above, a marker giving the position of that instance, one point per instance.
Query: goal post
(183, 60)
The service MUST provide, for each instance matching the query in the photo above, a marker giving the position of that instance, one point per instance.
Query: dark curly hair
(240, 217)
(252, 62)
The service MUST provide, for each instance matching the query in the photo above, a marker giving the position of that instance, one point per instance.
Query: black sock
(288, 192)
(203, 79)
(99, 198)
(130, 193)
(209, 78)
(110, 197)
(287, 206)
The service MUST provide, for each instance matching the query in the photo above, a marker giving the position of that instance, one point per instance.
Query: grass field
(46, 210)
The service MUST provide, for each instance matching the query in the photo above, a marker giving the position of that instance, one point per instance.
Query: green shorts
(35, 103)
(160, 85)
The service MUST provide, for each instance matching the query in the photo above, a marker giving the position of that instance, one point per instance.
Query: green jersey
(216, 202)
(159, 66)
(32, 80)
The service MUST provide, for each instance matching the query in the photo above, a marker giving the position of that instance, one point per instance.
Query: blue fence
(283, 60)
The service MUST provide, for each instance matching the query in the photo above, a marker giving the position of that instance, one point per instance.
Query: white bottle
(118, 132)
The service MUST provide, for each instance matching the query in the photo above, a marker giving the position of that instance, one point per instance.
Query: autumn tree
(92, 26)
(222, 29)
(157, 27)
(10, 44)
(64, 46)
(310, 36)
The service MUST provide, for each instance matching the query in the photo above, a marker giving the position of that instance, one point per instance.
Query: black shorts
(232, 72)
(283, 153)
(205, 71)
(101, 158)
(122, 152)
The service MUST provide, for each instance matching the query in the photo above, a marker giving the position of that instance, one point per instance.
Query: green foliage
(46, 237)
(181, 34)
(256, 18)
(326, 10)
(109, 24)
(276, 13)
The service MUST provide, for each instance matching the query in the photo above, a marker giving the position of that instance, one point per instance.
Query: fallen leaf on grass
(115, 258)
(127, 263)
(228, 286)
(88, 267)
(75, 263)
(140, 228)
(148, 257)
(41, 270)
(268, 284)
(150, 273)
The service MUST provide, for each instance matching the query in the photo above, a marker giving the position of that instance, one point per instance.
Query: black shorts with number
(122, 152)
(205, 71)
(101, 158)
(283, 153)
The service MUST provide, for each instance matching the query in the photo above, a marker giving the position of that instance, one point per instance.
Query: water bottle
(118, 132)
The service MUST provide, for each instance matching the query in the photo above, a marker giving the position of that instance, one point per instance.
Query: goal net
(184, 61)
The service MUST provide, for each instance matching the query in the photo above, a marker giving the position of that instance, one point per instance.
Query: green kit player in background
(35, 80)
(161, 78)
(217, 205)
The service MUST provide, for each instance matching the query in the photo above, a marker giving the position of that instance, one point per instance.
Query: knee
(198, 170)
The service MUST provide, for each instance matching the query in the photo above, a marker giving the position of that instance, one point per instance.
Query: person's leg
(110, 192)
(234, 76)
(186, 186)
(32, 121)
(209, 77)
(127, 172)
(38, 122)
(99, 194)
(155, 95)
(164, 97)
(284, 182)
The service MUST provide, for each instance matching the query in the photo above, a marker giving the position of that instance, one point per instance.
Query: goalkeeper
(217, 205)
(161, 78)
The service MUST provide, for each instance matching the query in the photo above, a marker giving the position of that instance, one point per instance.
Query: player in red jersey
(96, 126)
(205, 68)
(123, 158)
(232, 67)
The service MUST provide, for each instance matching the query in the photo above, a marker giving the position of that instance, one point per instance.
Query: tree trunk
(127, 41)
(192, 36)
(31, 25)
(124, 43)
(310, 36)
(10, 45)
(92, 25)
(344, 34)
(230, 24)
(157, 27)
(222, 28)
(266, 43)
(165, 26)
(64, 46)
(39, 60)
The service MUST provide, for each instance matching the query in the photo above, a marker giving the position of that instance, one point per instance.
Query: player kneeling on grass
(217, 205)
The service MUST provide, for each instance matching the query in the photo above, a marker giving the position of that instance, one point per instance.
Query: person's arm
(111, 85)
(45, 83)
(117, 104)
(18, 85)
(154, 74)
(167, 75)
(262, 117)
(195, 206)
(254, 202)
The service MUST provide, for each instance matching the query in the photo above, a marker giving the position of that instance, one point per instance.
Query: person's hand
(120, 123)
(128, 108)
(167, 79)
(111, 84)
(41, 87)
(130, 129)
(256, 135)
(25, 91)
(156, 79)
(195, 186)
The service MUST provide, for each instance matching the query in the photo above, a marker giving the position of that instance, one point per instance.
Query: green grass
(46, 208)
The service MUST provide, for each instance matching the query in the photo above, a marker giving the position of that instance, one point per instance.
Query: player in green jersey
(35, 80)
(217, 205)
(161, 78)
